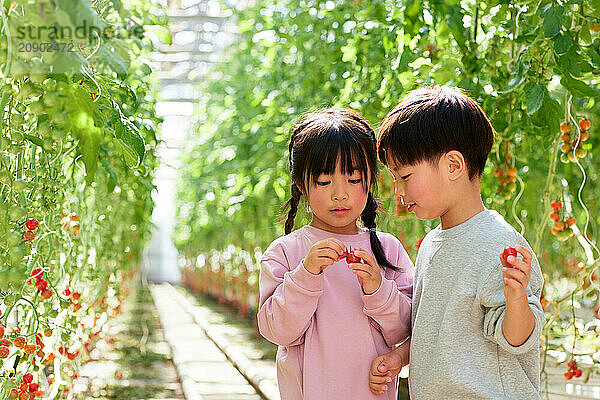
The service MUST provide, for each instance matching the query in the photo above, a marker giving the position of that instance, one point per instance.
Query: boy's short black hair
(432, 121)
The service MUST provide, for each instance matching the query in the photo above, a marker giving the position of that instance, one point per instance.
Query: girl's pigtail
(293, 205)
(368, 218)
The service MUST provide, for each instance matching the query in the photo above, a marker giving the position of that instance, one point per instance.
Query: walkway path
(133, 360)
(215, 360)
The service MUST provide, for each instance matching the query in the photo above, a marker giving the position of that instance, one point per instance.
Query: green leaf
(112, 176)
(128, 138)
(549, 114)
(348, 52)
(534, 93)
(577, 87)
(570, 62)
(34, 139)
(454, 19)
(146, 70)
(518, 74)
(162, 33)
(67, 62)
(594, 56)
(553, 20)
(113, 60)
(89, 143)
(562, 43)
(279, 190)
(443, 75)
(406, 58)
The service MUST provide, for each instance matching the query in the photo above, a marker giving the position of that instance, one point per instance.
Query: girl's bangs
(332, 147)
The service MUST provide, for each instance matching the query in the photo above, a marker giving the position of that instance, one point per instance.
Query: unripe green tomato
(9, 89)
(51, 99)
(21, 186)
(65, 336)
(50, 85)
(57, 134)
(580, 153)
(16, 255)
(53, 313)
(37, 107)
(564, 235)
(18, 120)
(13, 239)
(17, 136)
(44, 129)
(507, 196)
(5, 177)
(15, 149)
(20, 107)
(17, 213)
(511, 187)
(59, 118)
(37, 78)
(4, 143)
(9, 300)
(571, 156)
(48, 145)
(564, 158)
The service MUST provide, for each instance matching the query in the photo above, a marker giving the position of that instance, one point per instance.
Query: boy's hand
(516, 274)
(322, 254)
(367, 272)
(386, 367)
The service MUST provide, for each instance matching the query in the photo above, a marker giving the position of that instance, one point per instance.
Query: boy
(475, 323)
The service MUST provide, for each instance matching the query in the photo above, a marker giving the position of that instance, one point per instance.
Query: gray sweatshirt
(457, 349)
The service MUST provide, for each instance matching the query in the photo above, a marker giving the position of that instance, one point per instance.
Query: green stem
(546, 196)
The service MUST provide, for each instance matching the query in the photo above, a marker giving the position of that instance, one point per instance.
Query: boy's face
(337, 201)
(421, 188)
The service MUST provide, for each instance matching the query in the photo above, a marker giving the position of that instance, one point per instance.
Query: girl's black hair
(319, 141)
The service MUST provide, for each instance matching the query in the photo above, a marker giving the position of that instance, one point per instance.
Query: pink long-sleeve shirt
(327, 330)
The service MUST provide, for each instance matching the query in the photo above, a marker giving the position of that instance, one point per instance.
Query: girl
(329, 314)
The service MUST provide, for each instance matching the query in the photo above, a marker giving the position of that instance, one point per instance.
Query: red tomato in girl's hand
(508, 251)
(352, 258)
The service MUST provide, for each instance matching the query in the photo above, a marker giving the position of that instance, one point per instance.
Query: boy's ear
(455, 164)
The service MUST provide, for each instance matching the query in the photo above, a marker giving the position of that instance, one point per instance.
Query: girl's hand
(367, 272)
(322, 254)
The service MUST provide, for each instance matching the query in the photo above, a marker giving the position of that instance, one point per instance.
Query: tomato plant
(532, 66)
(77, 134)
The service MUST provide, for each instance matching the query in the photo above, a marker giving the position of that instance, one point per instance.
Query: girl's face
(337, 200)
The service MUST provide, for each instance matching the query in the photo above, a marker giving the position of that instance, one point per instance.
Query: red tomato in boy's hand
(508, 251)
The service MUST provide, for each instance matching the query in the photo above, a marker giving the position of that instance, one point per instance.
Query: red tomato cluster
(28, 390)
(573, 371)
(40, 283)
(31, 224)
(571, 145)
(73, 297)
(561, 229)
(70, 222)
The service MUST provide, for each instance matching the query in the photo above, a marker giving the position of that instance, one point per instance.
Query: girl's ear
(454, 164)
